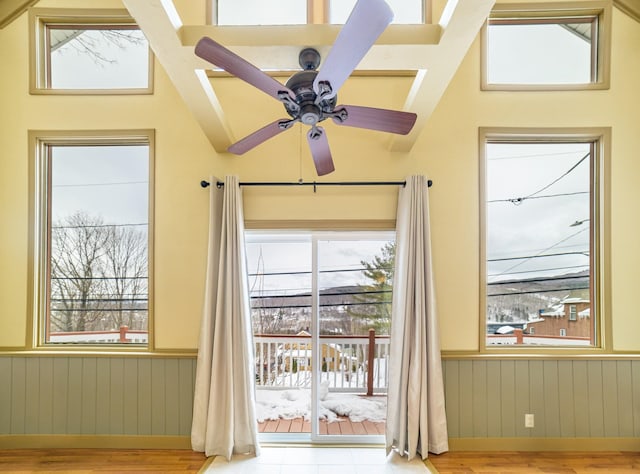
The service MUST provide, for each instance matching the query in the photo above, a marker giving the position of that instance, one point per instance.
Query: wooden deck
(343, 426)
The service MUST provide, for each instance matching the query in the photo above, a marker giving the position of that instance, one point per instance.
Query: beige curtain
(416, 420)
(224, 419)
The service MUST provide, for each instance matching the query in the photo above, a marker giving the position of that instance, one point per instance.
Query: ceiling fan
(309, 96)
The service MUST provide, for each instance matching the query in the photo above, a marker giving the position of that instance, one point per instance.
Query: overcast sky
(293, 253)
(538, 219)
(106, 181)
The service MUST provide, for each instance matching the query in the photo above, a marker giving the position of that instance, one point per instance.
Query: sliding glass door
(321, 308)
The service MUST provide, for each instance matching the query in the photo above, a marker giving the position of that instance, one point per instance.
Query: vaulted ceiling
(430, 53)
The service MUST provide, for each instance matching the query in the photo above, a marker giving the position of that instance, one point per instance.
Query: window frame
(540, 13)
(39, 252)
(39, 57)
(573, 312)
(600, 277)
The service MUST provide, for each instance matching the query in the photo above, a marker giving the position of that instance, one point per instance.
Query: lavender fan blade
(367, 21)
(384, 120)
(259, 136)
(218, 55)
(320, 151)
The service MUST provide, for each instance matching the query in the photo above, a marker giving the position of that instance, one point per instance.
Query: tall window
(546, 49)
(81, 54)
(92, 239)
(543, 203)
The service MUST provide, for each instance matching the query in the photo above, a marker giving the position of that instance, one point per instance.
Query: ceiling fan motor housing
(309, 59)
(308, 112)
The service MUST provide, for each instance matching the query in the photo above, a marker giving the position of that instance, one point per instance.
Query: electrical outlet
(529, 421)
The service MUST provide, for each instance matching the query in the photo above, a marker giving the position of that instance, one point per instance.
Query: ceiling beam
(460, 22)
(276, 48)
(161, 24)
(12, 9)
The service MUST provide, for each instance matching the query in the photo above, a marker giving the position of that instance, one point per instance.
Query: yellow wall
(183, 157)
(447, 152)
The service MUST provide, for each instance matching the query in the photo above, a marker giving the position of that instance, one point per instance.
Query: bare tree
(77, 248)
(98, 275)
(125, 270)
(93, 42)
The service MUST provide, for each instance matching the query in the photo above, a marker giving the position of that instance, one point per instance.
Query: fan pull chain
(300, 153)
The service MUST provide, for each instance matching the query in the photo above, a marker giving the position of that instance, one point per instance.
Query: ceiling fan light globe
(310, 114)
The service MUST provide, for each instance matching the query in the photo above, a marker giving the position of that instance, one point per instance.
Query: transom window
(543, 245)
(255, 12)
(546, 50)
(92, 235)
(96, 55)
(404, 11)
(299, 12)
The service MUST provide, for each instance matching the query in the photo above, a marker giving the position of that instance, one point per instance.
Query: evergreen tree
(374, 308)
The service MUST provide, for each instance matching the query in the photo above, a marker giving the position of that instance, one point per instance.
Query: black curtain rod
(315, 184)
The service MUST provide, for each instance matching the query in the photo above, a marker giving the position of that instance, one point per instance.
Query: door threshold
(305, 439)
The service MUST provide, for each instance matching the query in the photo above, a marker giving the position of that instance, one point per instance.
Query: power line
(98, 226)
(305, 272)
(540, 254)
(122, 183)
(102, 278)
(102, 310)
(322, 295)
(538, 280)
(528, 292)
(321, 305)
(535, 256)
(520, 200)
(117, 299)
(535, 155)
(539, 270)
(568, 248)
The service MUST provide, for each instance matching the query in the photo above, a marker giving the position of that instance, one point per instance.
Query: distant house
(297, 355)
(571, 317)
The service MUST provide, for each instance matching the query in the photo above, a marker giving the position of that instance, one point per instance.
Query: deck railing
(284, 361)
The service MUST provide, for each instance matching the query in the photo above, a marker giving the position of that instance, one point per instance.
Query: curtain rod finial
(205, 184)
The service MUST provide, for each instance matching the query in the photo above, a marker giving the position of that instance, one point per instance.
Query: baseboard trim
(544, 444)
(94, 441)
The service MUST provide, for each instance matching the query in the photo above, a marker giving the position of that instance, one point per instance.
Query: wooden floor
(536, 462)
(103, 461)
(343, 426)
(138, 461)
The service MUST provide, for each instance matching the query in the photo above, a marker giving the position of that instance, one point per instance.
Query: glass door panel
(354, 314)
(279, 267)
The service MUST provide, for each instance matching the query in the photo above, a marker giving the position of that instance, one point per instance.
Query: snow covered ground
(296, 403)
